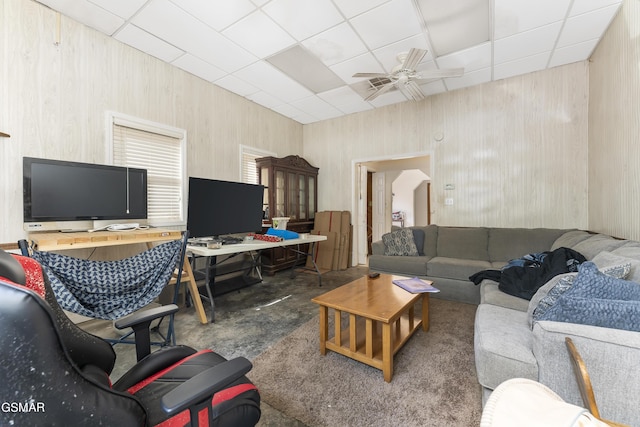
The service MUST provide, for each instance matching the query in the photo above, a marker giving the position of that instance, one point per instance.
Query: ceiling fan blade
(413, 58)
(413, 89)
(370, 75)
(427, 76)
(383, 89)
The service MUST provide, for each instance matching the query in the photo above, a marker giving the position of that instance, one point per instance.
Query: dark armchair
(54, 373)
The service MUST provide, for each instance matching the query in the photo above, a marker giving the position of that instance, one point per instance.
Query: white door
(379, 206)
(362, 215)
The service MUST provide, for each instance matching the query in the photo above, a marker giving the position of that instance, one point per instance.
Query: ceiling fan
(405, 77)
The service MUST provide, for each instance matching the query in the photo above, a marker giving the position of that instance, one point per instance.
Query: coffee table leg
(387, 353)
(425, 312)
(324, 329)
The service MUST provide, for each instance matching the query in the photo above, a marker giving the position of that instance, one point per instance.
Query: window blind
(248, 169)
(161, 155)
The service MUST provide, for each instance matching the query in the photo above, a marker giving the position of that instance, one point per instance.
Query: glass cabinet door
(279, 195)
(312, 197)
(292, 212)
(302, 197)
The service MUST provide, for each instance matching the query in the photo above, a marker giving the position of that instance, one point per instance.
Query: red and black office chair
(54, 373)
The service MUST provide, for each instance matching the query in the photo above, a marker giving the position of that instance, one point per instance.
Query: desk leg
(195, 294)
(314, 248)
(312, 255)
(209, 283)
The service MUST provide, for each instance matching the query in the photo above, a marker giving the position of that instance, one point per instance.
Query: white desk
(253, 248)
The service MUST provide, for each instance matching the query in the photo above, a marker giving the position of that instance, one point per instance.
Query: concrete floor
(247, 322)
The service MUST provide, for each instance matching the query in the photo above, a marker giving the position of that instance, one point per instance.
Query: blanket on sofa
(522, 277)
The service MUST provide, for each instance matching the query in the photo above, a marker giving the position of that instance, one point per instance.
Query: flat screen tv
(220, 208)
(57, 193)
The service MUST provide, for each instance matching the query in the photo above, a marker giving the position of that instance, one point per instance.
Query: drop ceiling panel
(526, 44)
(198, 67)
(272, 37)
(472, 78)
(517, 16)
(583, 27)
(366, 63)
(389, 98)
(388, 55)
(229, 41)
(433, 88)
(265, 99)
(218, 14)
(236, 85)
(123, 8)
(317, 108)
(335, 45)
(89, 14)
(444, 19)
(583, 6)
(141, 40)
(573, 53)
(177, 27)
(472, 59)
(387, 24)
(515, 68)
(303, 18)
(351, 8)
(270, 80)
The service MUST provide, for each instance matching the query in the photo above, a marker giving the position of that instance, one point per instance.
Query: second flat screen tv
(219, 208)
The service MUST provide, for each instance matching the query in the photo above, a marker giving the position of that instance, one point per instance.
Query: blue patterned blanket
(110, 290)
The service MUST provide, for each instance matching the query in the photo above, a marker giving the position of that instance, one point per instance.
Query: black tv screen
(219, 208)
(55, 190)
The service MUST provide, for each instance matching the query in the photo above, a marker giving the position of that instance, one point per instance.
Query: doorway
(374, 197)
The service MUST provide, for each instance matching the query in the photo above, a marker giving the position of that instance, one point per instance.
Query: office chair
(112, 290)
(54, 373)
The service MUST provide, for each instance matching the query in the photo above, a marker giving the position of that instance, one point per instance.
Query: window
(161, 150)
(248, 169)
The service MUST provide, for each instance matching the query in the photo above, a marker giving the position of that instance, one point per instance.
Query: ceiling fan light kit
(404, 76)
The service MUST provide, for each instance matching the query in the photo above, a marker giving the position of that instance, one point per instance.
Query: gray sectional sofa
(509, 343)
(449, 255)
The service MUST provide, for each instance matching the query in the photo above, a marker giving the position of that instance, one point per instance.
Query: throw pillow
(400, 243)
(542, 295)
(621, 256)
(598, 299)
(549, 293)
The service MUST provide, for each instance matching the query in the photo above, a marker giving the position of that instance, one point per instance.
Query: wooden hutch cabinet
(291, 190)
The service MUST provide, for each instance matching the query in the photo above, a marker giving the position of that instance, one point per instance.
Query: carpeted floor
(434, 382)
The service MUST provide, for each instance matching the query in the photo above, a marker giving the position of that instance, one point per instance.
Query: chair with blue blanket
(117, 290)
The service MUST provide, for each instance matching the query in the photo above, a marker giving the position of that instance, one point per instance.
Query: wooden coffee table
(381, 318)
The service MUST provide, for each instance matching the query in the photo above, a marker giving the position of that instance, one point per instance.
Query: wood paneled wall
(614, 128)
(53, 100)
(515, 149)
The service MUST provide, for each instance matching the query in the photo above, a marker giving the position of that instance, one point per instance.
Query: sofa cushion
(570, 239)
(502, 346)
(418, 239)
(509, 243)
(400, 243)
(431, 240)
(597, 243)
(490, 294)
(455, 268)
(402, 265)
(465, 243)
(598, 299)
